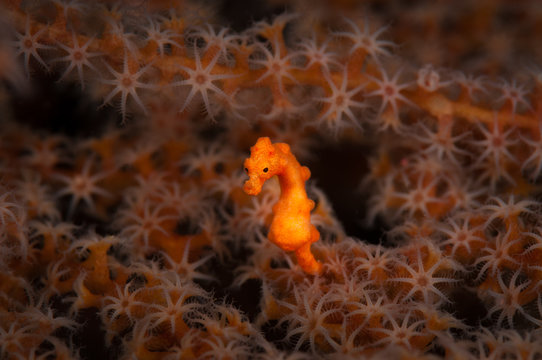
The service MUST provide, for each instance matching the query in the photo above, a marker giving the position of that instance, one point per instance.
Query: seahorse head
(263, 163)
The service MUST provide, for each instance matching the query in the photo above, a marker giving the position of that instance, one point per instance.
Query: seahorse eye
(246, 170)
(265, 170)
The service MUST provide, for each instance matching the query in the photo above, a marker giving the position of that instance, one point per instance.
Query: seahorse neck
(291, 180)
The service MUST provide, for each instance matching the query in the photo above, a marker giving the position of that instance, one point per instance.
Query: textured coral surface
(124, 229)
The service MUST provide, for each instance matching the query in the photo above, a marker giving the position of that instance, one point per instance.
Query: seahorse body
(291, 228)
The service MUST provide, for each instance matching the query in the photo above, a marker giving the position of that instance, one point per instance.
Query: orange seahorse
(291, 228)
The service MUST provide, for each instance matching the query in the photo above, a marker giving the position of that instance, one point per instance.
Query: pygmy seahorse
(290, 228)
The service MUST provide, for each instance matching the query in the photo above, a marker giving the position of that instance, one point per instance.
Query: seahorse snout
(253, 186)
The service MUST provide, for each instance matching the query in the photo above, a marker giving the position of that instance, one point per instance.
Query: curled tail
(306, 259)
